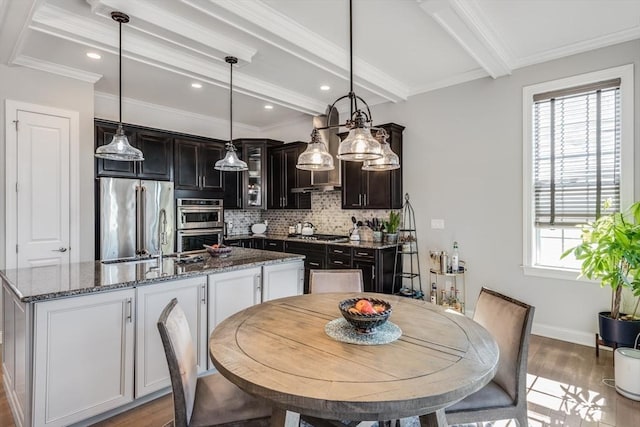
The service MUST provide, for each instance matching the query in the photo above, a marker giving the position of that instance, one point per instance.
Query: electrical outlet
(437, 224)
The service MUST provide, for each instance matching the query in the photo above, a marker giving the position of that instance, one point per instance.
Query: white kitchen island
(80, 342)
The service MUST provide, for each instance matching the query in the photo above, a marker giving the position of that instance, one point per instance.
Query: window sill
(555, 273)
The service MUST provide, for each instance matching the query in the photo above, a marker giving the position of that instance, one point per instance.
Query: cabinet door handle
(204, 181)
(338, 251)
(204, 294)
(373, 272)
(362, 253)
(129, 310)
(364, 196)
(335, 261)
(359, 199)
(314, 264)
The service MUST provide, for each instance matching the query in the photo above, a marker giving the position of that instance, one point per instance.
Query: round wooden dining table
(279, 350)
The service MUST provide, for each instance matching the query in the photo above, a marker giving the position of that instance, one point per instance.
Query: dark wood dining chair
(208, 400)
(509, 322)
(340, 280)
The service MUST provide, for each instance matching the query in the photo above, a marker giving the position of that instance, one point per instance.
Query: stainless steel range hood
(326, 180)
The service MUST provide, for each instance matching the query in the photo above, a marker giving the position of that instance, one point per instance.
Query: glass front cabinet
(253, 192)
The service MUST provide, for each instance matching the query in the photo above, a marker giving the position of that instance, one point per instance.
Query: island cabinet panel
(152, 373)
(15, 350)
(83, 356)
(282, 280)
(231, 292)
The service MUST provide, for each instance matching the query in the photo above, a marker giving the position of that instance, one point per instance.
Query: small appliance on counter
(259, 228)
(307, 229)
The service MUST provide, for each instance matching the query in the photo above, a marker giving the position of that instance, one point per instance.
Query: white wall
(36, 87)
(166, 118)
(462, 163)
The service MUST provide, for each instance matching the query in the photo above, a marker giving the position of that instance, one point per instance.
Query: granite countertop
(277, 236)
(50, 282)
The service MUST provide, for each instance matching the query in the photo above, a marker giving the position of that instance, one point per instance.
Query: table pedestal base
(284, 418)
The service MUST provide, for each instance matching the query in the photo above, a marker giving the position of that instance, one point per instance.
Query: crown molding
(146, 11)
(52, 67)
(93, 33)
(14, 24)
(453, 80)
(575, 48)
(136, 103)
(263, 22)
(465, 23)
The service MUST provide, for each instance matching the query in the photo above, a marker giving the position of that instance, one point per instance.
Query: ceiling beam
(265, 23)
(463, 20)
(145, 11)
(52, 67)
(162, 54)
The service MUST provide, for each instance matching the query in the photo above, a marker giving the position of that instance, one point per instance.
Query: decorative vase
(377, 236)
(621, 332)
(391, 238)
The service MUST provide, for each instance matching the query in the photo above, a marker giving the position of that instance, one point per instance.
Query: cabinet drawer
(338, 250)
(364, 253)
(336, 261)
(273, 245)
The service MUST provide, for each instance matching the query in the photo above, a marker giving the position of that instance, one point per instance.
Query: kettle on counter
(307, 229)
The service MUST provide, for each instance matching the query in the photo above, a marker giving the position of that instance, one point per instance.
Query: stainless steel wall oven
(199, 222)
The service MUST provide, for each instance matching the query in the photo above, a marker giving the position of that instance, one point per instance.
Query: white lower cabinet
(152, 373)
(231, 292)
(282, 280)
(83, 356)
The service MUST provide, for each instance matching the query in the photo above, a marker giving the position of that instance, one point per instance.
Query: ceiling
(287, 49)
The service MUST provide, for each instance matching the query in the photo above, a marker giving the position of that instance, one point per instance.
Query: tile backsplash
(325, 214)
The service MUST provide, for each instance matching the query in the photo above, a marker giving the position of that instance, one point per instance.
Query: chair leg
(523, 420)
(597, 346)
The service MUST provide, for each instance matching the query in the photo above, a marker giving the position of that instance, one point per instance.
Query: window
(578, 152)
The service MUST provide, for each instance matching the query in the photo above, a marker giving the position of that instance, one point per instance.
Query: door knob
(59, 250)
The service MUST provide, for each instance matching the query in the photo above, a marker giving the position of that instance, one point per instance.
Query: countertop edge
(285, 237)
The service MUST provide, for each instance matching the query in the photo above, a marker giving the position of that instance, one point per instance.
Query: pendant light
(359, 145)
(119, 147)
(315, 157)
(388, 161)
(231, 162)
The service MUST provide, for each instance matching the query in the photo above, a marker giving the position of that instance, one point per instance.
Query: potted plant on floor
(391, 227)
(610, 252)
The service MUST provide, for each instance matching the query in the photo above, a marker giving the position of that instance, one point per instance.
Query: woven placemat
(343, 331)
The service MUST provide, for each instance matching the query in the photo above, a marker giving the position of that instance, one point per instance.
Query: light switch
(437, 224)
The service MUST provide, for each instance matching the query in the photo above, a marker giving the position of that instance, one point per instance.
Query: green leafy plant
(393, 223)
(610, 252)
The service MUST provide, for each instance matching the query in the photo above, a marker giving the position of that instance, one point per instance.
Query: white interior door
(42, 190)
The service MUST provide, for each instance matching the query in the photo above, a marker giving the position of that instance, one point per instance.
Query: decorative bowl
(220, 251)
(364, 323)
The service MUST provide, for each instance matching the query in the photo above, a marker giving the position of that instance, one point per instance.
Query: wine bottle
(455, 261)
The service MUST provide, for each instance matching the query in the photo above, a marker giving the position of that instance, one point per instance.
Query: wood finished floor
(564, 388)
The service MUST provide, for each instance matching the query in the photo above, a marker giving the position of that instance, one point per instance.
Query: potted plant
(391, 227)
(610, 252)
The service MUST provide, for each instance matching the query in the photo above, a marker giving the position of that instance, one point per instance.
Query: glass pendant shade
(231, 162)
(359, 146)
(388, 161)
(316, 157)
(119, 148)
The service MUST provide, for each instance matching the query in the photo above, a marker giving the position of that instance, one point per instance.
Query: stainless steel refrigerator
(131, 219)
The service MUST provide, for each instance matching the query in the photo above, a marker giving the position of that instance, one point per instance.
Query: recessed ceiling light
(325, 87)
(196, 85)
(93, 55)
(268, 107)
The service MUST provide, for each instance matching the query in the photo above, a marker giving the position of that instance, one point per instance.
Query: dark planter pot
(622, 333)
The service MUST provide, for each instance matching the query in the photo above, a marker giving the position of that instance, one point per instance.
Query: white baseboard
(562, 334)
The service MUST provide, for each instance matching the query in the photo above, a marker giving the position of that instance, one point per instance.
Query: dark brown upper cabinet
(374, 190)
(194, 162)
(156, 146)
(282, 176)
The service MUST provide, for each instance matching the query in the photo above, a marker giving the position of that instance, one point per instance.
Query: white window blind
(576, 137)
